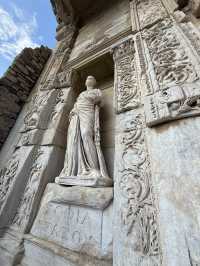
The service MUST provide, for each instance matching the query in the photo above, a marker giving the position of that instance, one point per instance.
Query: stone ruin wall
(16, 85)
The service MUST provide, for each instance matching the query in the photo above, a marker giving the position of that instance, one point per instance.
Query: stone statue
(84, 162)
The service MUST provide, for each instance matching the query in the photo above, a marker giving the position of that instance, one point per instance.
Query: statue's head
(90, 82)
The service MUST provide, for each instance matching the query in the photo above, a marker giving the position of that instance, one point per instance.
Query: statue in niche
(84, 162)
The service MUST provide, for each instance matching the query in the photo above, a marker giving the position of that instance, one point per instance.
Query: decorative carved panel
(138, 213)
(150, 12)
(145, 13)
(171, 60)
(126, 91)
(65, 79)
(23, 213)
(7, 175)
(172, 103)
(169, 71)
(36, 117)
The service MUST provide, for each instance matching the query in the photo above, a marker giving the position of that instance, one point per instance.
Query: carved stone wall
(135, 211)
(17, 83)
(37, 151)
(168, 80)
(154, 217)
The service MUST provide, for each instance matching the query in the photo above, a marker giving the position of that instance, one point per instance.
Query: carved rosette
(126, 91)
(138, 213)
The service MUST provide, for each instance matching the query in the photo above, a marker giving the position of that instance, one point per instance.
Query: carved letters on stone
(127, 95)
(139, 214)
(85, 219)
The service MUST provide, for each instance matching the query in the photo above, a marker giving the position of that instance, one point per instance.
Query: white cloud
(16, 31)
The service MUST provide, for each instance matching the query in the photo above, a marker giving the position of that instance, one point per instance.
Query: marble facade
(145, 56)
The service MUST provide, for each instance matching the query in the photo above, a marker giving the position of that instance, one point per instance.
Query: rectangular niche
(102, 69)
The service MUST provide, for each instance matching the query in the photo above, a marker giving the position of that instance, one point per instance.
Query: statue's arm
(99, 100)
(97, 126)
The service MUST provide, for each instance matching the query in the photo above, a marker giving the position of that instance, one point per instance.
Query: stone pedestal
(77, 219)
(85, 181)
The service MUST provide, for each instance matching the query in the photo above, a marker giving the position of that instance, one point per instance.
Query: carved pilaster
(136, 225)
(42, 172)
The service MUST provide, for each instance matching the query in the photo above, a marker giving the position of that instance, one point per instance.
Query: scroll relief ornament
(178, 92)
(126, 89)
(138, 214)
(171, 61)
(24, 211)
(32, 117)
(50, 81)
(7, 175)
(149, 12)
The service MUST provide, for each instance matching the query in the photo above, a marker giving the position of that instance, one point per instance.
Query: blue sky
(24, 23)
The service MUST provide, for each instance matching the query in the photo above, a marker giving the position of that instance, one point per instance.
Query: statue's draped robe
(84, 156)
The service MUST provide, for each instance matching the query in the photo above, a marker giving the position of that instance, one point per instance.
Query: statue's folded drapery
(84, 156)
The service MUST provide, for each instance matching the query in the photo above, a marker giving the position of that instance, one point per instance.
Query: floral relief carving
(138, 213)
(23, 213)
(51, 80)
(65, 79)
(127, 95)
(36, 105)
(150, 12)
(59, 104)
(170, 59)
(7, 174)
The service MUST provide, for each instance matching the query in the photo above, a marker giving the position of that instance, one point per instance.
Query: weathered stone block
(85, 219)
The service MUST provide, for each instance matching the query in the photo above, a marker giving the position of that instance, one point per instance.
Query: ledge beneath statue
(96, 198)
(84, 181)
